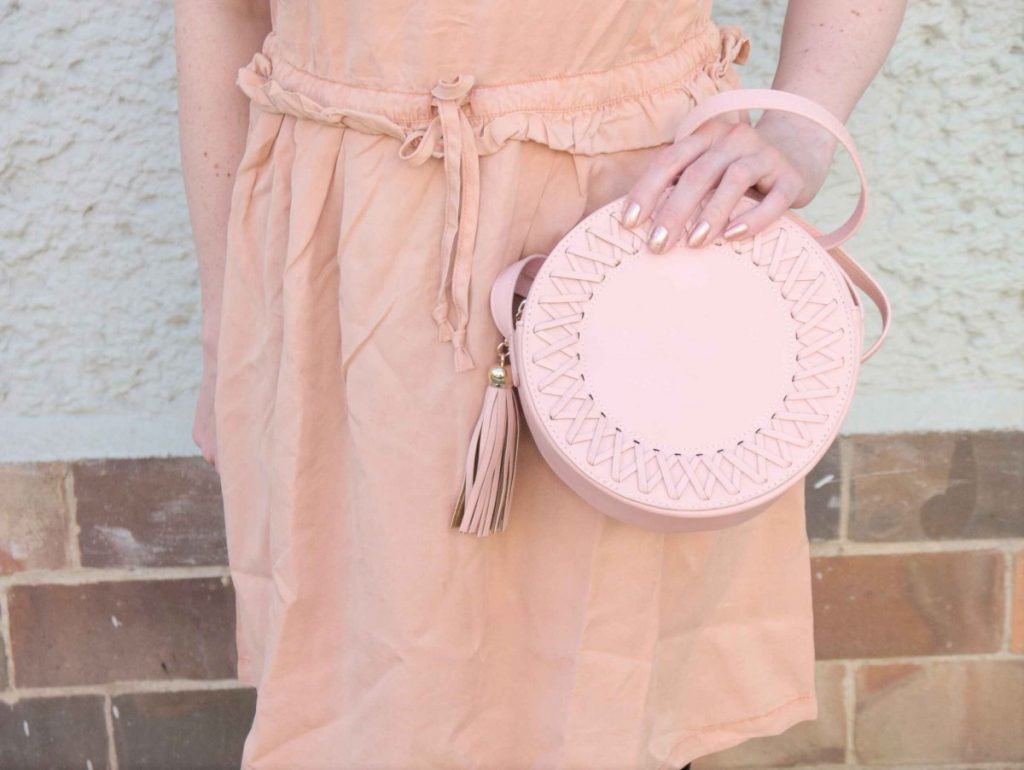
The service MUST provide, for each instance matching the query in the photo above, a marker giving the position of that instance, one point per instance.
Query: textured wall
(98, 288)
(939, 131)
(98, 292)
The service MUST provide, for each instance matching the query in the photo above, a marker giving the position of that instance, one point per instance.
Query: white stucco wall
(99, 305)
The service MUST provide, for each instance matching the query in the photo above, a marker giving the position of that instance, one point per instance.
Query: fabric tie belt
(586, 113)
(459, 148)
(461, 206)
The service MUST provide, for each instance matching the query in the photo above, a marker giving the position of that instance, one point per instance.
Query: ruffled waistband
(630, 106)
(565, 112)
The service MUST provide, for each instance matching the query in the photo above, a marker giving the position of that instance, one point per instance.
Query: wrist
(787, 126)
(803, 141)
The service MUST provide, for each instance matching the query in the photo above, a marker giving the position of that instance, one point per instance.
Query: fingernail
(632, 215)
(700, 232)
(658, 238)
(735, 231)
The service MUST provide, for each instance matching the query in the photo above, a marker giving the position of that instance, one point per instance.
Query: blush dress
(399, 154)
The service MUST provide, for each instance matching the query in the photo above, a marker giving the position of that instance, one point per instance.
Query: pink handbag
(679, 391)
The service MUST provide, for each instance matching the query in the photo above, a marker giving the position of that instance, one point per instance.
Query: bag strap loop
(511, 281)
(771, 99)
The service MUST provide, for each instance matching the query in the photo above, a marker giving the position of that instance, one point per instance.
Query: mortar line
(73, 547)
(925, 659)
(1008, 546)
(850, 706)
(845, 485)
(111, 574)
(5, 636)
(1008, 600)
(108, 706)
(114, 689)
(901, 547)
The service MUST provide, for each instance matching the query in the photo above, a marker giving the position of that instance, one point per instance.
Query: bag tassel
(486, 494)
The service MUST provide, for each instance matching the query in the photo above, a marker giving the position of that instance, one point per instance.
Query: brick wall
(117, 621)
(117, 618)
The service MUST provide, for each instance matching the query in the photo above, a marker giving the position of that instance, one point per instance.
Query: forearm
(831, 50)
(212, 40)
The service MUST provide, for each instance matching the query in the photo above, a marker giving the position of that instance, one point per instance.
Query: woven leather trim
(770, 454)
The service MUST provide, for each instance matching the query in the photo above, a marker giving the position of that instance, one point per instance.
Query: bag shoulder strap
(858, 278)
(863, 281)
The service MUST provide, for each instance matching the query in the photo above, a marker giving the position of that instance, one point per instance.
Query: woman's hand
(204, 429)
(786, 158)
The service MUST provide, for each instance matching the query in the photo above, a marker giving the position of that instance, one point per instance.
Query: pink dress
(398, 155)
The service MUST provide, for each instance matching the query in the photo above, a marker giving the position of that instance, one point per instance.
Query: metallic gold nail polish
(658, 238)
(700, 232)
(632, 215)
(735, 231)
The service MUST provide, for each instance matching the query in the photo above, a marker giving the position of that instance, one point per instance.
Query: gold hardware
(498, 374)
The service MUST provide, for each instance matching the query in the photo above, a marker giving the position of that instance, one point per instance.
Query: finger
(773, 205)
(671, 218)
(738, 178)
(664, 169)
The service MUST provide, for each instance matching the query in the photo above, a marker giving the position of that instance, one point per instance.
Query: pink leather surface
(694, 357)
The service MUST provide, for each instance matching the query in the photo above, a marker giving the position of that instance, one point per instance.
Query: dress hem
(724, 735)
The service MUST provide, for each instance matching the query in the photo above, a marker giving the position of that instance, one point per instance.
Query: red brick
(937, 486)
(193, 729)
(122, 631)
(149, 512)
(61, 732)
(33, 517)
(821, 740)
(940, 712)
(908, 604)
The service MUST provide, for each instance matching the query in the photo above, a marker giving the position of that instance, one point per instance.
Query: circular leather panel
(697, 379)
(682, 365)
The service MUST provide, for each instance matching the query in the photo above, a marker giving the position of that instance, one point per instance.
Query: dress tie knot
(453, 89)
(451, 125)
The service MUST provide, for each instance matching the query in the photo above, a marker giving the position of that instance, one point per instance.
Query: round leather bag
(688, 389)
